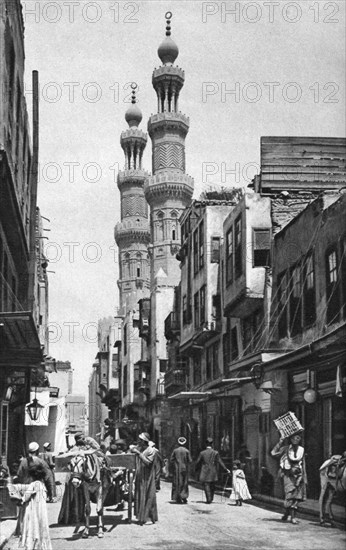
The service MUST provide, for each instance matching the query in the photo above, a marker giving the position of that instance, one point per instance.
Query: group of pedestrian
(37, 484)
(207, 466)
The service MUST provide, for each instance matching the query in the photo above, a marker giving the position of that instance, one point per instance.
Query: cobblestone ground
(196, 526)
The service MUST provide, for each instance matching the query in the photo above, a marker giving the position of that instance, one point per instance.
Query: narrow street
(196, 526)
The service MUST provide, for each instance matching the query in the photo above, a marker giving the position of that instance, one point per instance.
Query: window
(202, 305)
(282, 310)
(333, 299)
(229, 256)
(234, 339)
(163, 365)
(197, 371)
(247, 335)
(261, 248)
(3, 428)
(196, 309)
(216, 303)
(125, 339)
(215, 250)
(201, 244)
(216, 368)
(237, 248)
(125, 380)
(195, 252)
(309, 297)
(295, 301)
(209, 363)
(184, 310)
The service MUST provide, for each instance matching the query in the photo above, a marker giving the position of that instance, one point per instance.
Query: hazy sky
(268, 68)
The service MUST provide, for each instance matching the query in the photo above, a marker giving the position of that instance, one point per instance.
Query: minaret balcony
(168, 76)
(170, 71)
(132, 231)
(168, 184)
(128, 177)
(166, 119)
(133, 134)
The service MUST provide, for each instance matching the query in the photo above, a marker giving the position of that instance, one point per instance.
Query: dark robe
(72, 509)
(47, 456)
(158, 463)
(145, 507)
(180, 460)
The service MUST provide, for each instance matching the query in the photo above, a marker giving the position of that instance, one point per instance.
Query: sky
(252, 69)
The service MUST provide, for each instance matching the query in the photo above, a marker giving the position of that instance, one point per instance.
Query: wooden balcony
(172, 326)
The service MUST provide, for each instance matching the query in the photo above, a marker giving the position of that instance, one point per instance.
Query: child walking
(240, 488)
(34, 529)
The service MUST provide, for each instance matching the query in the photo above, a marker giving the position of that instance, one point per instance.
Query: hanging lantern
(34, 409)
(310, 395)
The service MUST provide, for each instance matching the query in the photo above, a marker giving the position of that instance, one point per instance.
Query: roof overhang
(20, 346)
(191, 395)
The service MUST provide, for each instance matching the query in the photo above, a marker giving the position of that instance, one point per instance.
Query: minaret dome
(168, 51)
(133, 115)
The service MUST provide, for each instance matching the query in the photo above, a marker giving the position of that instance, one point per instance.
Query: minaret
(132, 234)
(168, 192)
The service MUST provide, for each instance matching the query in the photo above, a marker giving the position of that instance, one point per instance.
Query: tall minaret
(168, 192)
(132, 234)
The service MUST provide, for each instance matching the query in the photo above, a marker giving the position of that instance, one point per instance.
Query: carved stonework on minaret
(169, 155)
(132, 233)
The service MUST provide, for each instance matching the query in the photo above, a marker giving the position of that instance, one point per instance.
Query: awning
(19, 342)
(191, 395)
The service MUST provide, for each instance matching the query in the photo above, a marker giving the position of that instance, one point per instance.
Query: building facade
(22, 337)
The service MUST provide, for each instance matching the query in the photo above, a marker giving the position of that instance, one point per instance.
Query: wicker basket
(288, 424)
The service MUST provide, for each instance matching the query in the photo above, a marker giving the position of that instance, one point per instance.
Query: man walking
(180, 460)
(208, 463)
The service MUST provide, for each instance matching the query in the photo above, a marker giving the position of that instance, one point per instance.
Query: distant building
(76, 414)
(61, 376)
(104, 392)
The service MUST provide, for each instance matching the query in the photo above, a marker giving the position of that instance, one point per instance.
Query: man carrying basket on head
(292, 471)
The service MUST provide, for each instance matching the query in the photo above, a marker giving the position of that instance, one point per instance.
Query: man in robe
(145, 493)
(158, 463)
(180, 461)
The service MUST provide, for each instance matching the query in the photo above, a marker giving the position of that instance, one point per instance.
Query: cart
(128, 463)
(115, 462)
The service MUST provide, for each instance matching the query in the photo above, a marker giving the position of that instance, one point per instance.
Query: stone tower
(168, 192)
(132, 234)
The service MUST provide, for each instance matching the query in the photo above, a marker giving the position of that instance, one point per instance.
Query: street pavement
(195, 526)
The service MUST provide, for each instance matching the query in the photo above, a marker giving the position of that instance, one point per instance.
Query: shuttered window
(261, 247)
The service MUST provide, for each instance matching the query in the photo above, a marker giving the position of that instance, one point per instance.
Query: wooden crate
(288, 424)
(127, 461)
(61, 463)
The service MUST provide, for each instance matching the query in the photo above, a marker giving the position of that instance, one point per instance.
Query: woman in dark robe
(180, 460)
(145, 507)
